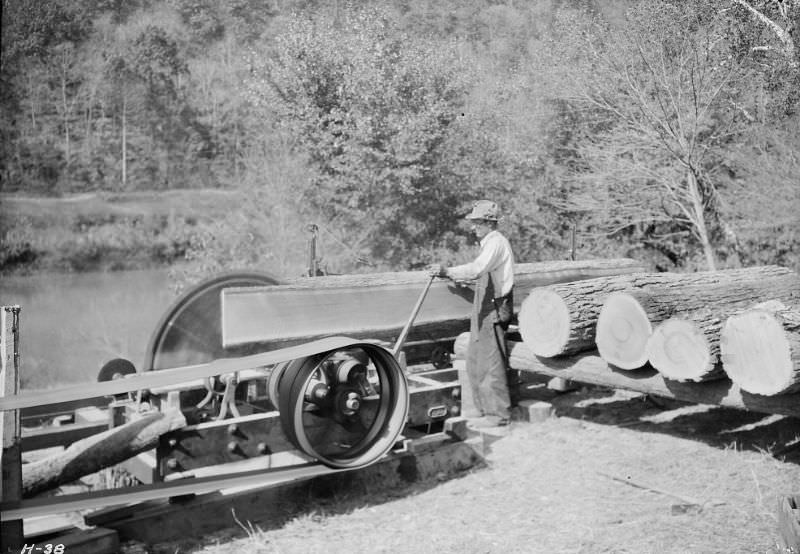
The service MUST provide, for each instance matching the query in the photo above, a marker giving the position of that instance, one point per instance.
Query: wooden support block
(91, 414)
(536, 411)
(559, 384)
(39, 529)
(93, 541)
(789, 522)
(456, 427)
(143, 467)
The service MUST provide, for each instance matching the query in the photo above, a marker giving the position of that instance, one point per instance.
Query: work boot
(487, 422)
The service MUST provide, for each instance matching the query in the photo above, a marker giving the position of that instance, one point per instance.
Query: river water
(70, 324)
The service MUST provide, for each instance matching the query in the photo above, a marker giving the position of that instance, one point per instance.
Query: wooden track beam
(270, 506)
(592, 369)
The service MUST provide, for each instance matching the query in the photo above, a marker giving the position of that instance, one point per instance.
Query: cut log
(761, 350)
(310, 308)
(104, 450)
(687, 347)
(683, 349)
(560, 320)
(627, 319)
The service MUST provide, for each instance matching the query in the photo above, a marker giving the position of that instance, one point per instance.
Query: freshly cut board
(378, 305)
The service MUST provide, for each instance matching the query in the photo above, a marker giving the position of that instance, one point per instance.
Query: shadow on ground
(714, 425)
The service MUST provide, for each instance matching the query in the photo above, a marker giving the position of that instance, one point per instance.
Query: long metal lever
(401, 340)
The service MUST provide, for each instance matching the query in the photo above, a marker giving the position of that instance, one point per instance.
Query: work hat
(484, 209)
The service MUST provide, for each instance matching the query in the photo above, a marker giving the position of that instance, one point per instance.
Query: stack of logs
(743, 324)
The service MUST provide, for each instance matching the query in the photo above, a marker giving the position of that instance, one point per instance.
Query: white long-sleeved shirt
(496, 258)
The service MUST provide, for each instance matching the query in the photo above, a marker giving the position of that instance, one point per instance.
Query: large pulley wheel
(343, 408)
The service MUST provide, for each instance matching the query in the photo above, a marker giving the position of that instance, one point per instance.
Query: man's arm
(488, 259)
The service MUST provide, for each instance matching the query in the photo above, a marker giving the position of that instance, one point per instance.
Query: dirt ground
(612, 471)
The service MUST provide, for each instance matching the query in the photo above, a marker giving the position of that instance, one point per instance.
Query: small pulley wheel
(344, 408)
(440, 358)
(115, 369)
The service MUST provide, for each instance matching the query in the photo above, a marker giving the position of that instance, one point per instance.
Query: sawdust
(613, 472)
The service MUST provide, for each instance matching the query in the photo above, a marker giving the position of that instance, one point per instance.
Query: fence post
(11, 532)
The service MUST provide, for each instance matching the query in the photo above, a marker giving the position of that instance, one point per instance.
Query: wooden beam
(165, 377)
(590, 368)
(11, 529)
(271, 505)
(377, 305)
(64, 435)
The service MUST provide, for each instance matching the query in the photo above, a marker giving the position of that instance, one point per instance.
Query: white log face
(757, 354)
(678, 349)
(623, 329)
(544, 322)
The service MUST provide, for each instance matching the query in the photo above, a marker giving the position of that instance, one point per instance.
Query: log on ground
(760, 350)
(92, 454)
(627, 319)
(377, 306)
(561, 319)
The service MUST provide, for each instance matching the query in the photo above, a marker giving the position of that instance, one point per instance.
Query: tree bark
(92, 454)
(625, 325)
(760, 349)
(560, 320)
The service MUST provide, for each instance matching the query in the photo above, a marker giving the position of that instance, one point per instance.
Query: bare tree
(782, 26)
(659, 92)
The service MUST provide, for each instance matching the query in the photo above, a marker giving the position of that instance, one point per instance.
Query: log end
(544, 323)
(756, 353)
(623, 329)
(679, 350)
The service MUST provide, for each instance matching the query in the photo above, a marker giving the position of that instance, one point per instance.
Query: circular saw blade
(190, 331)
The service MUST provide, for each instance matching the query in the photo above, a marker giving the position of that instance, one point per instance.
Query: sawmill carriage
(338, 371)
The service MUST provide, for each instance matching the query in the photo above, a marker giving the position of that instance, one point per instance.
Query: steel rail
(166, 377)
(201, 485)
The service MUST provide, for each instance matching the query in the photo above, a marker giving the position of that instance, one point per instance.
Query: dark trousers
(486, 355)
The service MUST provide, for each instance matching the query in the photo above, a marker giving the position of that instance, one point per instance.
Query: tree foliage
(668, 98)
(662, 129)
(374, 112)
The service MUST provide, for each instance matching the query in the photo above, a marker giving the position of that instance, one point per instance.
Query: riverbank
(106, 231)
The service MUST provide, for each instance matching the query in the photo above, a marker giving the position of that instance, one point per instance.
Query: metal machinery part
(190, 331)
(115, 369)
(344, 408)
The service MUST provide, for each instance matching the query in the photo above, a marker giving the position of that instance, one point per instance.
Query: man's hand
(437, 270)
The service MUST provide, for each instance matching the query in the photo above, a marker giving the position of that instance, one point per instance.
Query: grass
(105, 231)
(576, 483)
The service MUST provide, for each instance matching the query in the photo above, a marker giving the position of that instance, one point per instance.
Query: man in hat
(492, 309)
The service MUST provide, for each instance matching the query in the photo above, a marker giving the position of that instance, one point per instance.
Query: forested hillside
(660, 129)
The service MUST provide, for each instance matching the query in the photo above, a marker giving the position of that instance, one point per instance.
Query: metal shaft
(401, 340)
